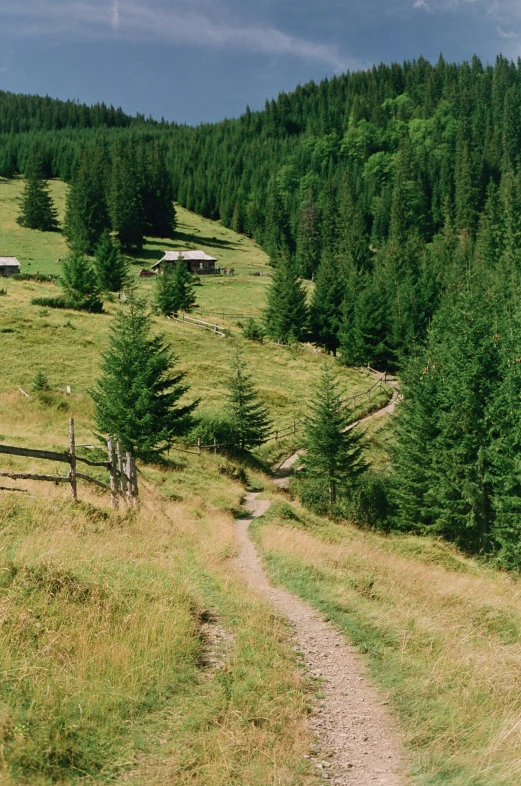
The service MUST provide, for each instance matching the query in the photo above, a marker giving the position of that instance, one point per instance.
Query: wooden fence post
(294, 426)
(215, 446)
(121, 471)
(199, 445)
(133, 491)
(72, 449)
(113, 473)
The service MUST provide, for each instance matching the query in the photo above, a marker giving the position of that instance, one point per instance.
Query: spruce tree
(37, 208)
(174, 290)
(308, 238)
(137, 395)
(333, 458)
(125, 205)
(110, 265)
(286, 312)
(248, 416)
(80, 284)
(86, 214)
(325, 311)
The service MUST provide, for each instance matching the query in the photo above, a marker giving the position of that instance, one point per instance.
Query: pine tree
(86, 214)
(286, 312)
(157, 198)
(325, 311)
(237, 219)
(80, 284)
(308, 238)
(125, 205)
(110, 265)
(174, 290)
(333, 457)
(137, 395)
(248, 415)
(37, 209)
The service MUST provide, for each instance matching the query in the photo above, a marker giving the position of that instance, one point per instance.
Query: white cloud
(133, 20)
(115, 14)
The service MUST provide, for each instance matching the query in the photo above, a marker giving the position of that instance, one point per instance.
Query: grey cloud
(175, 23)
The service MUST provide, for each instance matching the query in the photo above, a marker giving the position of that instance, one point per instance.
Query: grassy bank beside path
(441, 633)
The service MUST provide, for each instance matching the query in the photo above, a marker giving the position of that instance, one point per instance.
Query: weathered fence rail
(219, 330)
(296, 427)
(121, 468)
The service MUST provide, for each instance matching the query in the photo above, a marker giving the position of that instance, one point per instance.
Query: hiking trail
(355, 741)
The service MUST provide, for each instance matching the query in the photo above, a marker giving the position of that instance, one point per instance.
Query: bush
(50, 302)
(253, 330)
(40, 277)
(370, 505)
(210, 427)
(40, 382)
(3, 291)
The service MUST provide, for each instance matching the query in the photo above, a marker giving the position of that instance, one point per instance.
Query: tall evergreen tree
(86, 214)
(37, 209)
(333, 458)
(110, 264)
(249, 417)
(80, 284)
(308, 238)
(138, 395)
(174, 290)
(286, 312)
(125, 206)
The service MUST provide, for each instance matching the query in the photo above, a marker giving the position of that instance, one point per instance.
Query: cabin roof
(187, 256)
(9, 262)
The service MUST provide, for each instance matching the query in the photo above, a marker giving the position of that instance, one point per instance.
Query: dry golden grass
(102, 653)
(442, 632)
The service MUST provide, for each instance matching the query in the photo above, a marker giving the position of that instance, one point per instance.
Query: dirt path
(356, 742)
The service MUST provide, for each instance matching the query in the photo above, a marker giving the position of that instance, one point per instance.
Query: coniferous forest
(398, 192)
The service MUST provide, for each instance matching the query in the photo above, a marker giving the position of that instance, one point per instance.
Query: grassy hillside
(244, 293)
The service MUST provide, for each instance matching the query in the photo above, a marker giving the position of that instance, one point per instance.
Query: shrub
(253, 330)
(210, 427)
(370, 505)
(50, 302)
(40, 382)
(3, 291)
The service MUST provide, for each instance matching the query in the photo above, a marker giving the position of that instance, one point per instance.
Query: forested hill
(20, 113)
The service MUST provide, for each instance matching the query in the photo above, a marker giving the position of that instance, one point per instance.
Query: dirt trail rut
(356, 742)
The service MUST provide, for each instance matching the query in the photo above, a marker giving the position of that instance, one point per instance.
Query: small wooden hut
(196, 261)
(9, 266)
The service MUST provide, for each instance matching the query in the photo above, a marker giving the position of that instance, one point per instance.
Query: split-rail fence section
(120, 465)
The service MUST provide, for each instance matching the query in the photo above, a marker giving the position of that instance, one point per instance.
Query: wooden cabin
(9, 266)
(197, 262)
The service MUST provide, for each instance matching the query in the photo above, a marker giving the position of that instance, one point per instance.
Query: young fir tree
(37, 208)
(248, 416)
(137, 395)
(333, 458)
(80, 284)
(110, 265)
(286, 312)
(86, 213)
(174, 290)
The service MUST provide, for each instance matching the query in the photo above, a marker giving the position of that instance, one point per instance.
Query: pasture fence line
(218, 330)
(120, 465)
(295, 427)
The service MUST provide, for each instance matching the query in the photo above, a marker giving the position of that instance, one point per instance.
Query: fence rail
(121, 468)
(296, 427)
(218, 330)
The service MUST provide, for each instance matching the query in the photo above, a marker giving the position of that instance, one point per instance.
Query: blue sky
(201, 60)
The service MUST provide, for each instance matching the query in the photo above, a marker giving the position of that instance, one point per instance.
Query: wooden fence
(296, 427)
(219, 330)
(120, 466)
